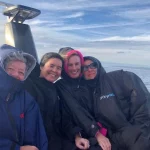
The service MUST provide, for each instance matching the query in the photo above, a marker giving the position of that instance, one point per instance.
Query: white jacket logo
(106, 96)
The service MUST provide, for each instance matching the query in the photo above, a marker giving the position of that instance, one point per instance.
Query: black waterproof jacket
(68, 89)
(48, 101)
(119, 100)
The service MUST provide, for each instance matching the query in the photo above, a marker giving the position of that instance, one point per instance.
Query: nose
(74, 67)
(54, 69)
(16, 75)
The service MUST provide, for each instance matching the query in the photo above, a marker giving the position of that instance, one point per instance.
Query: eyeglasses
(91, 66)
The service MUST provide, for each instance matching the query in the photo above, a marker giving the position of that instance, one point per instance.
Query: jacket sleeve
(34, 132)
(68, 126)
(81, 116)
(139, 99)
(139, 112)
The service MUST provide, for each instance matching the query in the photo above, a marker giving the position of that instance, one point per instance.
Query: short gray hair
(14, 56)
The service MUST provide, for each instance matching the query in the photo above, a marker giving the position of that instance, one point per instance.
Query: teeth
(74, 72)
(52, 75)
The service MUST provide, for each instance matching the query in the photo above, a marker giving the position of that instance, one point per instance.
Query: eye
(9, 69)
(69, 65)
(59, 68)
(51, 66)
(77, 64)
(21, 73)
(85, 68)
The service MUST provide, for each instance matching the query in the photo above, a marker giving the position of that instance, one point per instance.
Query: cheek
(44, 70)
(22, 78)
(59, 73)
(95, 72)
(85, 74)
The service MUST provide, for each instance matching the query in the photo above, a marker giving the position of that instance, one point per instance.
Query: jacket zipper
(7, 99)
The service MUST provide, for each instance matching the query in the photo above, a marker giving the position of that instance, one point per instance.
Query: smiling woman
(51, 67)
(89, 69)
(40, 85)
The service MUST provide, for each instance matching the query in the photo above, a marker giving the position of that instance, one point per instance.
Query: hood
(6, 50)
(100, 71)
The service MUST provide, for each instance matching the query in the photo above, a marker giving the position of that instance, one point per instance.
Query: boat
(17, 33)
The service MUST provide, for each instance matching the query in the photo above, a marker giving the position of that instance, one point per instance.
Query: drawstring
(78, 86)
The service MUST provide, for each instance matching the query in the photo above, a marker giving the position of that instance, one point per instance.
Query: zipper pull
(8, 97)
(94, 91)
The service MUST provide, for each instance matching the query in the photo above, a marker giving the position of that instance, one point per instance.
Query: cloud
(136, 13)
(75, 15)
(37, 22)
(69, 5)
(94, 26)
(134, 38)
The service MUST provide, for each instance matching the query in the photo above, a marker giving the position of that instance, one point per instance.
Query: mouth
(74, 72)
(52, 75)
(92, 74)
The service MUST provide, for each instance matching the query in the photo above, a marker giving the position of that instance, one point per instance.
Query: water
(142, 72)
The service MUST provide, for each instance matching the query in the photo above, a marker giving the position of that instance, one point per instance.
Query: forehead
(88, 62)
(73, 59)
(16, 63)
(55, 61)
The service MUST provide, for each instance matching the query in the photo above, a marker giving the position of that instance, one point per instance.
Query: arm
(72, 131)
(68, 126)
(139, 112)
(140, 99)
(34, 132)
(80, 115)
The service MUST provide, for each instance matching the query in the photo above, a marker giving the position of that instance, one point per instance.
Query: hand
(103, 141)
(28, 147)
(81, 143)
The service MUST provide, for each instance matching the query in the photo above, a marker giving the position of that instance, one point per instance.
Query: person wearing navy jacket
(21, 125)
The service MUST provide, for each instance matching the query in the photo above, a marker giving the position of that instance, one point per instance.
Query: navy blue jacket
(20, 119)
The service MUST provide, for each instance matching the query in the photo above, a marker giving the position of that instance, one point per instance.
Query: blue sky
(112, 30)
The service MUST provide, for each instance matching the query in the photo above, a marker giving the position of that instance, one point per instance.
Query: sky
(115, 31)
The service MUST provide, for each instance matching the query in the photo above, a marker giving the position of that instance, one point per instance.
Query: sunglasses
(91, 66)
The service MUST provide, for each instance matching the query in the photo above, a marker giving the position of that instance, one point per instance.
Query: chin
(75, 76)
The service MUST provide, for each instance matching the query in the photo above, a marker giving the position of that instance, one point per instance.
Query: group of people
(87, 109)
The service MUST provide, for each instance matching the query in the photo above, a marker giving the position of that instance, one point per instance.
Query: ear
(41, 67)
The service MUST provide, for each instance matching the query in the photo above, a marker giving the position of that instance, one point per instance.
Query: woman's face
(74, 66)
(89, 70)
(16, 69)
(51, 71)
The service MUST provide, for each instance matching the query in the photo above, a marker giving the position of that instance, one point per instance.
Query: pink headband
(70, 53)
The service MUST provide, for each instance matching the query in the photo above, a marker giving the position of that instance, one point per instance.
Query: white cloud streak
(75, 15)
(139, 38)
(136, 14)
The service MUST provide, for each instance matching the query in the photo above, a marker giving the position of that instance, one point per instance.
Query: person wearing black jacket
(121, 102)
(69, 92)
(40, 85)
(118, 100)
